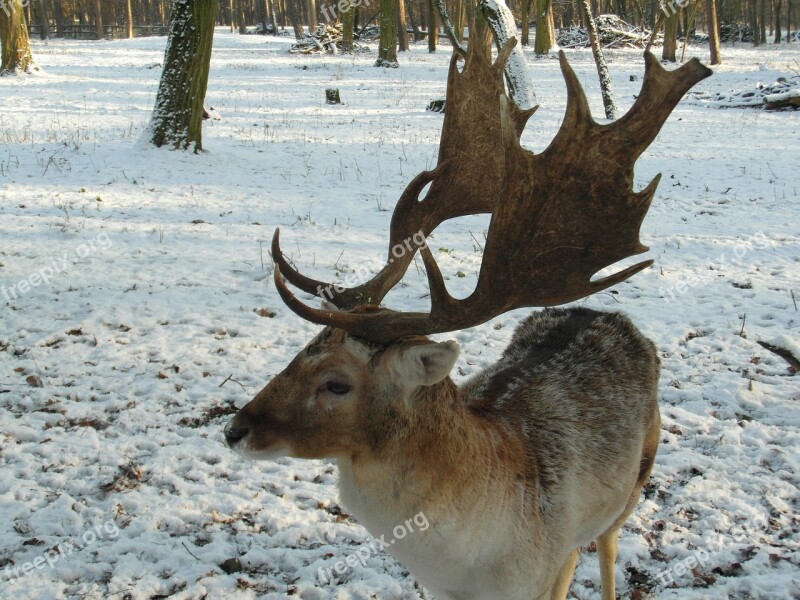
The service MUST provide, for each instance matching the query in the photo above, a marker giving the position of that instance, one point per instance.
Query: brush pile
(327, 38)
(613, 32)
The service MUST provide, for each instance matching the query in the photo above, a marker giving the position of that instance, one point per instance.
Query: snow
(141, 277)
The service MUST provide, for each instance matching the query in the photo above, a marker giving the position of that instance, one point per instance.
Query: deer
(523, 464)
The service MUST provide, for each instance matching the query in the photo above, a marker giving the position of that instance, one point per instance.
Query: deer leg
(607, 551)
(564, 578)
(607, 542)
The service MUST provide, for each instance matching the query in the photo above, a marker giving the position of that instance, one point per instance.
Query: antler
(558, 217)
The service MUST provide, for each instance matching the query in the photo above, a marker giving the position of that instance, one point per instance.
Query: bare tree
(98, 19)
(178, 113)
(433, 26)
(670, 36)
(402, 36)
(16, 55)
(545, 29)
(387, 49)
(348, 18)
(609, 103)
(129, 18)
(44, 25)
(713, 32)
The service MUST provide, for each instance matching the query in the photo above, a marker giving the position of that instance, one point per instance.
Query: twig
(741, 331)
(481, 247)
(189, 551)
(230, 378)
(793, 300)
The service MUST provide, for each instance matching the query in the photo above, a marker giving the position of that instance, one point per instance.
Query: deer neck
(433, 454)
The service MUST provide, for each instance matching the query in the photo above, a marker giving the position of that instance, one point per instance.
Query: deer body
(515, 470)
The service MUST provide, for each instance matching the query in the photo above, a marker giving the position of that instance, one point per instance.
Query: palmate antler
(558, 217)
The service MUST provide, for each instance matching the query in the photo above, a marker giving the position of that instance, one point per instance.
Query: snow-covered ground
(137, 312)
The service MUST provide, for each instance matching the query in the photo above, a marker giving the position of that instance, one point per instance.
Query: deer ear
(426, 364)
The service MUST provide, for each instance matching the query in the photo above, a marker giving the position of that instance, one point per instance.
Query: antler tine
(308, 285)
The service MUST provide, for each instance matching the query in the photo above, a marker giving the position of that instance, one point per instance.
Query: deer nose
(235, 434)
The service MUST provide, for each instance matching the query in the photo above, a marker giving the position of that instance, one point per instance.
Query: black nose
(234, 434)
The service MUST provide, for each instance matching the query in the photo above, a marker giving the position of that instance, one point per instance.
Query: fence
(110, 32)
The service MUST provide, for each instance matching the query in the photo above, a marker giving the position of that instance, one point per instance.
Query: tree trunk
(670, 36)
(458, 19)
(545, 34)
(16, 55)
(387, 49)
(98, 19)
(402, 35)
(713, 32)
(609, 104)
(177, 117)
(240, 18)
(348, 18)
(777, 13)
(273, 19)
(762, 20)
(58, 16)
(433, 26)
(44, 24)
(788, 21)
(525, 17)
(754, 22)
(129, 18)
(311, 6)
(294, 15)
(412, 17)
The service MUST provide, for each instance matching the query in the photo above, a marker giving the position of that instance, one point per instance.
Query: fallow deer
(547, 450)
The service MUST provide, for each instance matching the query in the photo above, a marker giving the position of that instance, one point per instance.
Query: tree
(433, 26)
(44, 25)
(129, 18)
(16, 55)
(348, 18)
(387, 49)
(670, 36)
(293, 7)
(609, 104)
(98, 19)
(525, 18)
(545, 29)
(713, 32)
(402, 36)
(178, 113)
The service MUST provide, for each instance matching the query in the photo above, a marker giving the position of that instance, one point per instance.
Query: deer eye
(336, 387)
